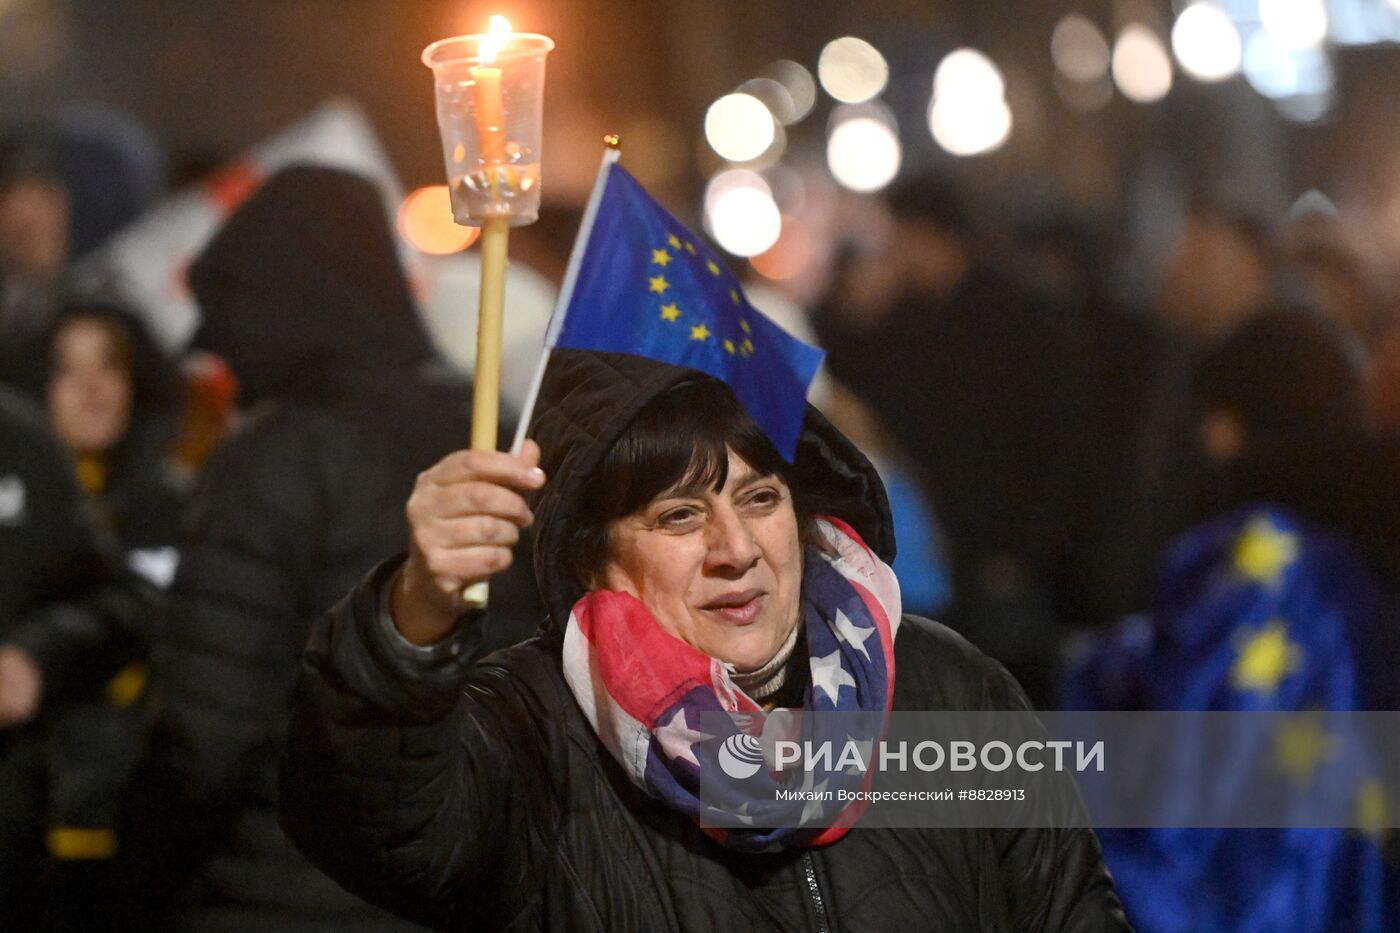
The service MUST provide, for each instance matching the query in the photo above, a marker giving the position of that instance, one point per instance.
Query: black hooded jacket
(302, 294)
(478, 796)
(66, 602)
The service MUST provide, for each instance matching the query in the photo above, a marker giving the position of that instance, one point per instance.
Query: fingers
(490, 466)
(451, 570)
(465, 515)
(431, 503)
(469, 531)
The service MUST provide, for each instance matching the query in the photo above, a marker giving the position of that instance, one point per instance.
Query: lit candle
(486, 90)
(487, 189)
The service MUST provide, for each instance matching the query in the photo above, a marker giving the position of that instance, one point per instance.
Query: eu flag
(1256, 609)
(646, 285)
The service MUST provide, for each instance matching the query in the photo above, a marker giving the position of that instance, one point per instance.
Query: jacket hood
(304, 279)
(157, 387)
(110, 167)
(588, 398)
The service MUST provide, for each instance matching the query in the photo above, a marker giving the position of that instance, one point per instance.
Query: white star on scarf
(852, 634)
(676, 738)
(829, 675)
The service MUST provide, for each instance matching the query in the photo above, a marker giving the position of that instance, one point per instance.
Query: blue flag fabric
(1255, 610)
(648, 286)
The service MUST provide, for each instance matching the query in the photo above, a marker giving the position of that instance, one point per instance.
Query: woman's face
(721, 571)
(89, 389)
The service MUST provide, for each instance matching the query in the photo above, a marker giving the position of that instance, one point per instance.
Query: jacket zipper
(815, 890)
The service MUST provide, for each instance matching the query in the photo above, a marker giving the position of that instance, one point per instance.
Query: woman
(671, 542)
(114, 402)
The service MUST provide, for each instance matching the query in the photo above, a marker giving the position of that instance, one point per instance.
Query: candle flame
(496, 39)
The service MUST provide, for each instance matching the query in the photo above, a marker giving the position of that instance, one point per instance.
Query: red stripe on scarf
(646, 670)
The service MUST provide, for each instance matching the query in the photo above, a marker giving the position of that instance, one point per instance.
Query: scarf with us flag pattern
(652, 699)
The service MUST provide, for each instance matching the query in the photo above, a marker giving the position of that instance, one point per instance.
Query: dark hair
(680, 440)
(1286, 371)
(155, 383)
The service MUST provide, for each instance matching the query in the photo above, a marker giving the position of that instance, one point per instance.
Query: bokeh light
(773, 95)
(969, 115)
(739, 127)
(740, 212)
(1206, 43)
(1279, 73)
(968, 127)
(800, 85)
(863, 150)
(1295, 24)
(1299, 81)
(1269, 67)
(425, 221)
(852, 70)
(1141, 67)
(970, 74)
(1079, 49)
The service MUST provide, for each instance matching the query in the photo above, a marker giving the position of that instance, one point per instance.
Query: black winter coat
(66, 601)
(303, 295)
(478, 796)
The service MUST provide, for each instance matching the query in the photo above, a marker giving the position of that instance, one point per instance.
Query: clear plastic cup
(493, 167)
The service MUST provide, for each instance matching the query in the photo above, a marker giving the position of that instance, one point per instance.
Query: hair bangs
(679, 443)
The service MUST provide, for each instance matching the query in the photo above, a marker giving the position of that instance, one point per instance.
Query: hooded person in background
(67, 183)
(302, 294)
(114, 401)
(69, 620)
(34, 247)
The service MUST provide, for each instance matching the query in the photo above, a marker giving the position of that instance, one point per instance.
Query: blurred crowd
(1073, 473)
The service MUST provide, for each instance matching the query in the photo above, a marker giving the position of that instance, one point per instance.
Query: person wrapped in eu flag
(1282, 598)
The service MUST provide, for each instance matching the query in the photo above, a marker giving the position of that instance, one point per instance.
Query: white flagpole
(566, 290)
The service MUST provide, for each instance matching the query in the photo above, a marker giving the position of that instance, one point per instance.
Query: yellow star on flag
(659, 283)
(1265, 657)
(700, 332)
(729, 347)
(734, 295)
(674, 240)
(746, 348)
(712, 266)
(1263, 552)
(661, 257)
(670, 312)
(1372, 809)
(1301, 745)
(744, 326)
(690, 247)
